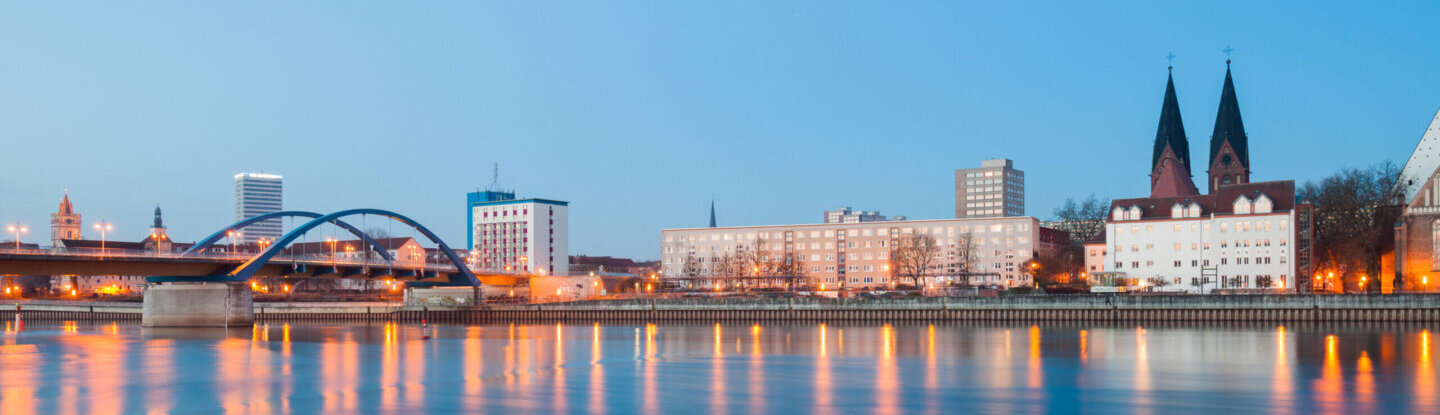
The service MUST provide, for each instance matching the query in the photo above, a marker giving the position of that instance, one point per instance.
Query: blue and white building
(518, 235)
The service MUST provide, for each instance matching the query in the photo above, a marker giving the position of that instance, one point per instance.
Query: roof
(1281, 194)
(517, 201)
(1423, 162)
(1171, 131)
(888, 223)
(112, 244)
(1229, 126)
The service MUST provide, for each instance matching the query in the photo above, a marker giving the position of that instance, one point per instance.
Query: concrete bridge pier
(198, 304)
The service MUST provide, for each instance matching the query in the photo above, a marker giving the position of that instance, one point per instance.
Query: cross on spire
(1228, 50)
(1170, 59)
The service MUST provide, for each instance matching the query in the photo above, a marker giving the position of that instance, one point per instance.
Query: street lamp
(104, 227)
(17, 229)
(232, 234)
(331, 241)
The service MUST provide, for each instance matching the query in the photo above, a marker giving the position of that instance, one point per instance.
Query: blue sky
(638, 112)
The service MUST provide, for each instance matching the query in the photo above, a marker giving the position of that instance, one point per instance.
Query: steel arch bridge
(248, 269)
(209, 241)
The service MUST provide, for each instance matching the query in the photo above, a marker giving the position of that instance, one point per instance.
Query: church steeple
(1170, 162)
(1229, 147)
(159, 223)
(712, 213)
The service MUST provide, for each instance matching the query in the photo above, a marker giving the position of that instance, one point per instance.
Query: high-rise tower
(64, 223)
(257, 194)
(1229, 147)
(1170, 162)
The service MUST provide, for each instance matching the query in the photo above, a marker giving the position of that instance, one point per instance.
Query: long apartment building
(858, 254)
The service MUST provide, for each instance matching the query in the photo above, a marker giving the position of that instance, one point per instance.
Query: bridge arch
(215, 237)
(250, 267)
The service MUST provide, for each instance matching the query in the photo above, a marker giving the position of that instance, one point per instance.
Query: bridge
(196, 280)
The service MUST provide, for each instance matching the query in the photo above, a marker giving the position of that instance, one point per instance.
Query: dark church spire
(158, 222)
(712, 212)
(1229, 147)
(1170, 162)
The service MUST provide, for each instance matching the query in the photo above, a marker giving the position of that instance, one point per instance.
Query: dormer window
(1194, 210)
(1119, 213)
(1263, 204)
(1135, 213)
(1242, 205)
(1178, 211)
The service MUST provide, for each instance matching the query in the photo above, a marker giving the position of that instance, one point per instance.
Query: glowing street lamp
(331, 241)
(17, 229)
(103, 227)
(232, 234)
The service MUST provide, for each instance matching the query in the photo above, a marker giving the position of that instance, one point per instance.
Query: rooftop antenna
(495, 177)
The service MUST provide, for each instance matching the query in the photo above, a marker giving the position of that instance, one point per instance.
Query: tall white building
(994, 189)
(257, 194)
(525, 235)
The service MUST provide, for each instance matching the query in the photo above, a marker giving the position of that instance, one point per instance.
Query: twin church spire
(1229, 161)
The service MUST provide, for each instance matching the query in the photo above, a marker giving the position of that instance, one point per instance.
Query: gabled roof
(1423, 162)
(1229, 126)
(1171, 131)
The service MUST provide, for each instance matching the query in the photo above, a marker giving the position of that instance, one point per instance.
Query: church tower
(65, 223)
(159, 239)
(1229, 147)
(1170, 162)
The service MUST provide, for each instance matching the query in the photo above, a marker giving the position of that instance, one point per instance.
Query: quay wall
(1351, 308)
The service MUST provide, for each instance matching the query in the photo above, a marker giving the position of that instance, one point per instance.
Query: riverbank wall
(1393, 307)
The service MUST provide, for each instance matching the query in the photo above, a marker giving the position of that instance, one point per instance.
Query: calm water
(709, 368)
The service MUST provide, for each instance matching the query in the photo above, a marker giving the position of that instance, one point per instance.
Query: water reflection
(720, 368)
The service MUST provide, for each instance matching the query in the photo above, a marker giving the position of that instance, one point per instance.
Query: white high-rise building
(257, 194)
(520, 235)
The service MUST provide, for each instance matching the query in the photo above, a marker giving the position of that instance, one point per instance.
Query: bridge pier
(207, 304)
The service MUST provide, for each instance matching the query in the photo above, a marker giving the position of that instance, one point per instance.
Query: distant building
(64, 223)
(844, 214)
(257, 194)
(858, 254)
(1417, 234)
(159, 239)
(1242, 235)
(1095, 252)
(525, 235)
(405, 250)
(605, 265)
(994, 189)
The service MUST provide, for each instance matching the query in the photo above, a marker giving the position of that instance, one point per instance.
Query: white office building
(994, 189)
(257, 194)
(520, 235)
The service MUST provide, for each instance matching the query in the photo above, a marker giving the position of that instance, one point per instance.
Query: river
(782, 368)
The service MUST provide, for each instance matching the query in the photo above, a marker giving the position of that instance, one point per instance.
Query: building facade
(64, 223)
(995, 189)
(857, 255)
(257, 194)
(845, 214)
(520, 235)
(1241, 235)
(1417, 233)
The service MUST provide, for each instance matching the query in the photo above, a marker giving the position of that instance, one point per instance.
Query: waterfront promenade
(1393, 307)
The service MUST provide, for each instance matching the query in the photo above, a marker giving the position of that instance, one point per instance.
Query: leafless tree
(1355, 210)
(967, 254)
(913, 257)
(1083, 219)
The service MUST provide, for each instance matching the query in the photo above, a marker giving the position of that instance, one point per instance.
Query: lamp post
(331, 241)
(104, 227)
(232, 235)
(17, 229)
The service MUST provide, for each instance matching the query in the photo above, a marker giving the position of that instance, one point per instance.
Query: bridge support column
(198, 305)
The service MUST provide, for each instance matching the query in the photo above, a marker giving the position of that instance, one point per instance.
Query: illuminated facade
(257, 194)
(525, 235)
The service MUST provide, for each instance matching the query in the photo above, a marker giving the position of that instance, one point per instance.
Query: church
(1238, 236)
(1417, 232)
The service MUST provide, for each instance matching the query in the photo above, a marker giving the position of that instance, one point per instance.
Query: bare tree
(1083, 219)
(914, 257)
(967, 254)
(1355, 210)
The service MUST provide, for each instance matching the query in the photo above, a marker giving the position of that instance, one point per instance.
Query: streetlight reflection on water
(722, 367)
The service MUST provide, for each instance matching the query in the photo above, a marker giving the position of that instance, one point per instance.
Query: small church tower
(64, 223)
(159, 240)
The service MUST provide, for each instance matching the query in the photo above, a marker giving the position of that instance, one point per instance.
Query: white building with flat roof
(996, 188)
(257, 194)
(524, 235)
(858, 254)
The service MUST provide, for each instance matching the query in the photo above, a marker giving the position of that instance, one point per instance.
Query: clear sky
(639, 111)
